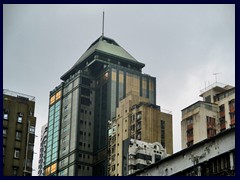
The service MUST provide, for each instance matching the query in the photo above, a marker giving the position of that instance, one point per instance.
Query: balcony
(231, 109)
(189, 126)
(210, 126)
(189, 138)
(222, 114)
(232, 122)
(222, 126)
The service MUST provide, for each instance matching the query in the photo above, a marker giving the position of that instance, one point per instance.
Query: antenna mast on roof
(215, 74)
(103, 25)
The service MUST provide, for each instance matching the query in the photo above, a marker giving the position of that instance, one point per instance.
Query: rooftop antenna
(103, 25)
(215, 74)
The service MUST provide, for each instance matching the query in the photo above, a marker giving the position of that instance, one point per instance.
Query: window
(58, 95)
(63, 150)
(52, 99)
(20, 117)
(5, 114)
(32, 129)
(16, 153)
(4, 132)
(113, 167)
(15, 170)
(65, 117)
(139, 115)
(18, 135)
(189, 120)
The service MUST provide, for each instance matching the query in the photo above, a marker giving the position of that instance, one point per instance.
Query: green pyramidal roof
(106, 46)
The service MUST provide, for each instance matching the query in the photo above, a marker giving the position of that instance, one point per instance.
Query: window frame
(16, 153)
(17, 137)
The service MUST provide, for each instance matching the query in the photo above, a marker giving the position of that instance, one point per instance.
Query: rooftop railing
(17, 94)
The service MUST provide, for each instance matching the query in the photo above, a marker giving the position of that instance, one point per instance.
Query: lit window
(47, 171)
(5, 114)
(32, 129)
(52, 99)
(18, 135)
(16, 153)
(58, 95)
(53, 168)
(20, 117)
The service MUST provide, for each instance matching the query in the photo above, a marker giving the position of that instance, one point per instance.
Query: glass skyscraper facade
(87, 101)
(53, 134)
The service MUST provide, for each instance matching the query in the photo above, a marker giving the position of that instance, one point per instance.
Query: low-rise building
(141, 154)
(214, 156)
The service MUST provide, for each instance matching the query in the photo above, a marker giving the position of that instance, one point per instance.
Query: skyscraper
(18, 133)
(81, 106)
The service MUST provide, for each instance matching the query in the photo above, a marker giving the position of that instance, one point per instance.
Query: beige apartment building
(204, 119)
(136, 118)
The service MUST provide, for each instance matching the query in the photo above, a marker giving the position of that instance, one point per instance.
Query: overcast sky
(181, 45)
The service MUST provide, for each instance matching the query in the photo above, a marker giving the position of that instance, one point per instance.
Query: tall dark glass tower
(81, 106)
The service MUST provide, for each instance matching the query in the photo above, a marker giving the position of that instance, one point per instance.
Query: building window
(18, 135)
(20, 117)
(52, 99)
(16, 153)
(58, 95)
(32, 129)
(139, 136)
(139, 115)
(15, 170)
(113, 167)
(5, 114)
(189, 121)
(163, 133)
(4, 132)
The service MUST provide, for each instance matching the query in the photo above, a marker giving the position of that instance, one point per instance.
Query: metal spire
(103, 25)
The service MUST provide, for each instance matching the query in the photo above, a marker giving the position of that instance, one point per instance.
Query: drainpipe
(25, 165)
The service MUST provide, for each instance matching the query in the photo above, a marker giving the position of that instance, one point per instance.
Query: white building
(42, 153)
(211, 157)
(142, 154)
